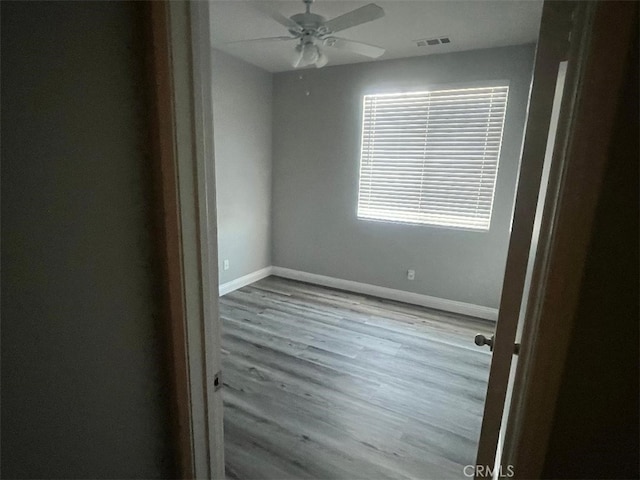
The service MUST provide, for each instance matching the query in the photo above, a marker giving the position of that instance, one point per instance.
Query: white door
(554, 84)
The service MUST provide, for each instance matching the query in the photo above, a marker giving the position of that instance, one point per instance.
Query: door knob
(481, 340)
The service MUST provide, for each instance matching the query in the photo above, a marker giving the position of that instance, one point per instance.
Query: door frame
(567, 223)
(183, 159)
(560, 20)
(592, 92)
(181, 141)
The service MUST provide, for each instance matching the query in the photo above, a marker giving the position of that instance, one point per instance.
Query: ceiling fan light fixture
(322, 60)
(309, 54)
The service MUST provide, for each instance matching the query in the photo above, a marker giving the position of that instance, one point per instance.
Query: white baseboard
(244, 280)
(478, 311)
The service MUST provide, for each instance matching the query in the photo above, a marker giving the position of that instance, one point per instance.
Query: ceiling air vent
(432, 42)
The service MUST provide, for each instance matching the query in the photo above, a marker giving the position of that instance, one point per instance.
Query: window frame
(395, 89)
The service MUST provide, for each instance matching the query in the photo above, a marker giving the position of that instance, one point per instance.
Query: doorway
(300, 205)
(498, 337)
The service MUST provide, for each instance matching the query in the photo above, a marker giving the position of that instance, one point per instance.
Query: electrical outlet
(225, 265)
(411, 274)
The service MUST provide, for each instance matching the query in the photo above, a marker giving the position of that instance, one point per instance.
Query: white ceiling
(471, 24)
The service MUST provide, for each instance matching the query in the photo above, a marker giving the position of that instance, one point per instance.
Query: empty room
(366, 160)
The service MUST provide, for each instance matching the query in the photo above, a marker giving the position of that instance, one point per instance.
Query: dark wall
(82, 376)
(595, 434)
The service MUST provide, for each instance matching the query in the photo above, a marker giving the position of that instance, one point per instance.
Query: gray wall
(242, 128)
(82, 376)
(316, 160)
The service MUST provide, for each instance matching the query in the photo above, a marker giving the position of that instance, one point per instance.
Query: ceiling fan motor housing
(311, 23)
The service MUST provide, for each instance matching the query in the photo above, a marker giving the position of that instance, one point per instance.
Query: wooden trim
(588, 152)
(162, 139)
(189, 45)
(204, 187)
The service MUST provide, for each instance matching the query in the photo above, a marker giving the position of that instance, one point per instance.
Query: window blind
(431, 157)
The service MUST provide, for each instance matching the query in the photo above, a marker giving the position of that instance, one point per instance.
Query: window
(431, 157)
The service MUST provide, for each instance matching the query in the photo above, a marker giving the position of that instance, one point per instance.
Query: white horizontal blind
(432, 157)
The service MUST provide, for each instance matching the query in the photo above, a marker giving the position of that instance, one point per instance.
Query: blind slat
(431, 157)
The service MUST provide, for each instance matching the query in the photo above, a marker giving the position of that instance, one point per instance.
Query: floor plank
(326, 384)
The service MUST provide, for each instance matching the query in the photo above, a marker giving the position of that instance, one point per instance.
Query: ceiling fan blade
(268, 39)
(278, 17)
(355, 47)
(358, 16)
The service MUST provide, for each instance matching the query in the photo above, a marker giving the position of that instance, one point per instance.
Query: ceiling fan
(314, 32)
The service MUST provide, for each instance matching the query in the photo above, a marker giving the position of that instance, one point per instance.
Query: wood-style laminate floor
(325, 384)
